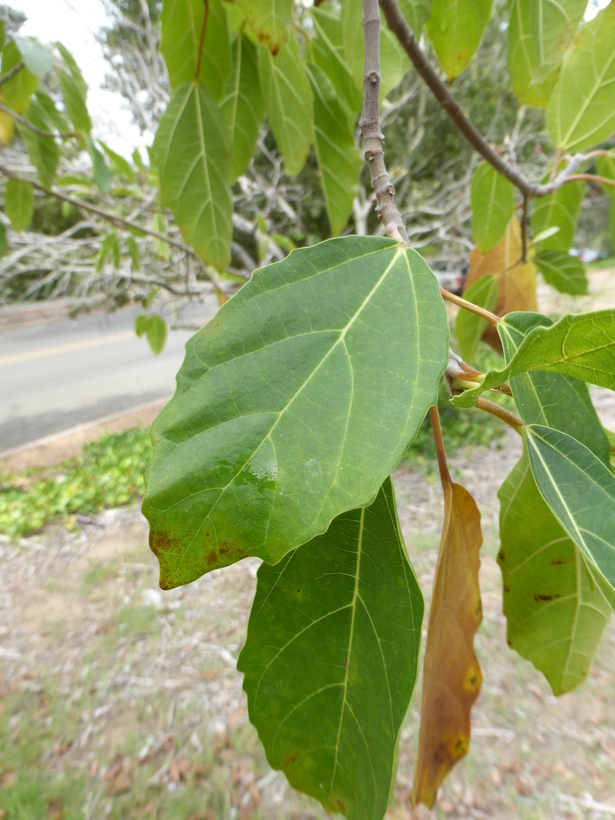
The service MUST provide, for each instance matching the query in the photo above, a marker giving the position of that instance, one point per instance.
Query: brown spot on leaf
(546, 598)
(501, 555)
(506, 588)
(339, 802)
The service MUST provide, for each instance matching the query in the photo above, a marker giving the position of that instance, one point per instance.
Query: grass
(108, 473)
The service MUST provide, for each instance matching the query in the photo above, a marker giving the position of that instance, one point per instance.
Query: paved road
(63, 372)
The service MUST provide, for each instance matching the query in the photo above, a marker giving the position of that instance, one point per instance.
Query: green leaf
(605, 167)
(74, 69)
(581, 111)
(555, 614)
(469, 327)
(74, 101)
(294, 404)
(328, 54)
(289, 104)
(521, 64)
(110, 246)
(38, 60)
(156, 333)
(559, 210)
(242, 104)
(455, 29)
(193, 159)
(580, 492)
(19, 204)
(119, 163)
(102, 174)
(56, 118)
(416, 13)
(19, 89)
(44, 152)
(331, 659)
(159, 224)
(132, 246)
(181, 27)
(552, 399)
(563, 272)
(554, 25)
(582, 346)
(141, 324)
(492, 198)
(269, 20)
(3, 240)
(394, 63)
(338, 157)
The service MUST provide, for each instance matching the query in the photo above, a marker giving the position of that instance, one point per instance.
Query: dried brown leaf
(516, 280)
(451, 676)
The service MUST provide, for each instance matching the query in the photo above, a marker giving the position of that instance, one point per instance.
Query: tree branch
(436, 427)
(373, 139)
(500, 413)
(400, 28)
(23, 121)
(109, 217)
(591, 178)
(463, 303)
(15, 70)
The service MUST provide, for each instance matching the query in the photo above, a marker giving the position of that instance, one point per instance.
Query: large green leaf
(38, 60)
(416, 13)
(580, 492)
(294, 404)
(555, 614)
(44, 152)
(328, 54)
(563, 272)
(469, 327)
(181, 27)
(74, 102)
(242, 104)
(558, 210)
(56, 117)
(338, 157)
(269, 20)
(552, 399)
(19, 203)
(582, 346)
(393, 60)
(455, 29)
(19, 89)
(193, 158)
(581, 111)
(289, 104)
(102, 174)
(331, 659)
(521, 63)
(492, 198)
(74, 69)
(554, 25)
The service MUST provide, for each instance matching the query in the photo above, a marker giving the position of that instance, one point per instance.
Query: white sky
(51, 20)
(74, 22)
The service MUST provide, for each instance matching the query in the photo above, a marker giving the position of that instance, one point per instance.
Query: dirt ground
(118, 700)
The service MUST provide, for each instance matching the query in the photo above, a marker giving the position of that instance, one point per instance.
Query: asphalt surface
(59, 373)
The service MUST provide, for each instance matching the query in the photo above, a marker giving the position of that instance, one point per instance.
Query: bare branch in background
(373, 139)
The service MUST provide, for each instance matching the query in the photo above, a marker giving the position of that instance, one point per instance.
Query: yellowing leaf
(516, 280)
(451, 676)
(269, 20)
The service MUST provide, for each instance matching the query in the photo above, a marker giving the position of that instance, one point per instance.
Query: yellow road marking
(51, 351)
